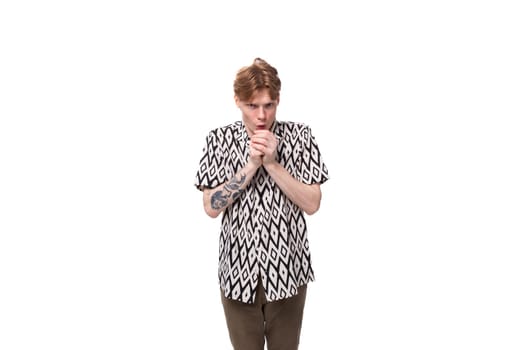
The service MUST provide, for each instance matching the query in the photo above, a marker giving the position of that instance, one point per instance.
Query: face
(259, 112)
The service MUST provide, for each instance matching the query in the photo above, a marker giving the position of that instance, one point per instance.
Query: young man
(262, 175)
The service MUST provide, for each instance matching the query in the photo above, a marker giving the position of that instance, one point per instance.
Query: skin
(258, 115)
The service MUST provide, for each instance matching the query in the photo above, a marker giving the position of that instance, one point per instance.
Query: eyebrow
(258, 104)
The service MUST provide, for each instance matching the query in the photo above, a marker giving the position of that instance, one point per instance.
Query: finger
(259, 136)
(257, 142)
(256, 148)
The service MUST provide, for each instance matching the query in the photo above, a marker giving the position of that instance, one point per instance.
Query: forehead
(260, 97)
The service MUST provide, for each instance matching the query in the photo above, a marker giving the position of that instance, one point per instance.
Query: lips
(260, 127)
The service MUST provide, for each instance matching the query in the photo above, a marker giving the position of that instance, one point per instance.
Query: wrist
(252, 165)
(271, 165)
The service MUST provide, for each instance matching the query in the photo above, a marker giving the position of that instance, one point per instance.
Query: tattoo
(231, 189)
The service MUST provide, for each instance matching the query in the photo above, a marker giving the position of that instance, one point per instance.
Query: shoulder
(220, 132)
(292, 129)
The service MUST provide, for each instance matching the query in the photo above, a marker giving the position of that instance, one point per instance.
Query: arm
(216, 200)
(307, 197)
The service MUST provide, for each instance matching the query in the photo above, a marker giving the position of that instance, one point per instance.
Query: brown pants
(279, 321)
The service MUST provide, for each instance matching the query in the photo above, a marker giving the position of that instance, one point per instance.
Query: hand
(255, 155)
(264, 143)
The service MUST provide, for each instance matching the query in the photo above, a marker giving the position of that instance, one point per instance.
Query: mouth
(261, 127)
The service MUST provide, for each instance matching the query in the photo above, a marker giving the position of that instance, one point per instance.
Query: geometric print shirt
(263, 234)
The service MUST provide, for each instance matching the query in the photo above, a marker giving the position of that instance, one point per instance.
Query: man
(262, 175)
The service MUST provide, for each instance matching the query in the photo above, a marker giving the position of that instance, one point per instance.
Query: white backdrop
(417, 108)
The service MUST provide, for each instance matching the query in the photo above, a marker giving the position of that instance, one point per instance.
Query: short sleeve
(312, 167)
(211, 168)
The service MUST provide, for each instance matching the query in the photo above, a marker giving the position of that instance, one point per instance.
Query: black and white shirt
(262, 233)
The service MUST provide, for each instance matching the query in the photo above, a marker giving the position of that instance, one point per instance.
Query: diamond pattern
(263, 234)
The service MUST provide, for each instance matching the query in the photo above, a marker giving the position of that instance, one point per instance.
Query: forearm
(306, 197)
(216, 200)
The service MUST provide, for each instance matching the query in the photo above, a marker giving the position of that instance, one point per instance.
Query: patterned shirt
(263, 234)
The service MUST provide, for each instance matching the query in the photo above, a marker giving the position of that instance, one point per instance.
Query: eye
(252, 105)
(269, 105)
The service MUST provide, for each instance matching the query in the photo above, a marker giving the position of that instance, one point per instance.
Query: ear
(237, 100)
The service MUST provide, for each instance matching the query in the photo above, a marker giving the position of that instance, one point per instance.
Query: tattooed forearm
(231, 189)
(218, 200)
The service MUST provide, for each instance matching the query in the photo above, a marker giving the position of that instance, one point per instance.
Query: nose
(261, 113)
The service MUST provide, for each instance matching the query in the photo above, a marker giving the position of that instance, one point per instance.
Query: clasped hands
(263, 147)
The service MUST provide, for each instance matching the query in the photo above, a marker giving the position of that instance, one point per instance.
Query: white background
(417, 107)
